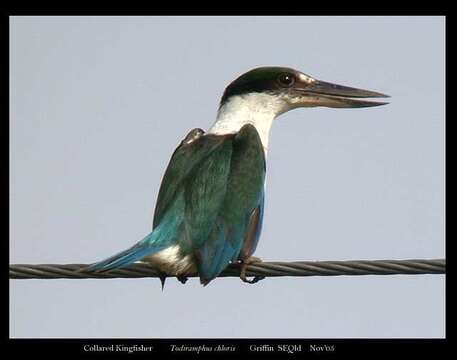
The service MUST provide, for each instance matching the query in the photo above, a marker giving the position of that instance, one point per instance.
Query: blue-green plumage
(210, 203)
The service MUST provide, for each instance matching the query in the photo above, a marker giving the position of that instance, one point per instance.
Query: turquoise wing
(187, 157)
(243, 198)
(215, 185)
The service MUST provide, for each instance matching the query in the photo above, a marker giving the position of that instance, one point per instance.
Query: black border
(252, 347)
(292, 348)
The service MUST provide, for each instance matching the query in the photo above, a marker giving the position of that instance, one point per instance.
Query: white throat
(258, 109)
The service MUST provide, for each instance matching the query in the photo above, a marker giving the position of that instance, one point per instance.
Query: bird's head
(282, 89)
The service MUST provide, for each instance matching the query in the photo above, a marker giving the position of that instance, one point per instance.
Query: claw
(162, 277)
(182, 279)
(244, 265)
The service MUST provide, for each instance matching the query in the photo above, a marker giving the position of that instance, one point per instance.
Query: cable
(260, 269)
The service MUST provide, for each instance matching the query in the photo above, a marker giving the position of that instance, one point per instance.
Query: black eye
(286, 80)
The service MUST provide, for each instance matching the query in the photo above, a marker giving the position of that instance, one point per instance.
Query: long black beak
(321, 93)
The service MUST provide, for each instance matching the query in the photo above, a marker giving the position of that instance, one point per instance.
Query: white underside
(170, 261)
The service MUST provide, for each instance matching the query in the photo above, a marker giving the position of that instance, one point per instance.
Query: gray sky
(99, 104)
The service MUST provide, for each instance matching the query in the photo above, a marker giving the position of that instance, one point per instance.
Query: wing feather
(221, 180)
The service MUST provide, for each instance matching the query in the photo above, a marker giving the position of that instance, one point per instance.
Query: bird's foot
(182, 279)
(244, 265)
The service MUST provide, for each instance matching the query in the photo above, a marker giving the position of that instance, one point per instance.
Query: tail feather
(138, 251)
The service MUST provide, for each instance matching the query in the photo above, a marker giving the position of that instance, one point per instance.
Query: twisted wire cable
(259, 269)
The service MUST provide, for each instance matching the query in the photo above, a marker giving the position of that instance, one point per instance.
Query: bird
(210, 205)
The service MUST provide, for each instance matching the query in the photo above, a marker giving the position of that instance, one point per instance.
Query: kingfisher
(210, 205)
